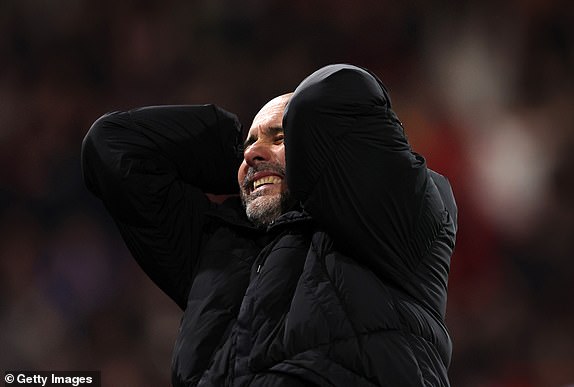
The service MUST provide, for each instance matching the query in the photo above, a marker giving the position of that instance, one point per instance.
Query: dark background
(485, 90)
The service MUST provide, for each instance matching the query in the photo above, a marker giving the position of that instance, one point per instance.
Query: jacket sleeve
(351, 167)
(151, 167)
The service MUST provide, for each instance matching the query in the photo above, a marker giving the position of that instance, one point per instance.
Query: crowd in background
(485, 90)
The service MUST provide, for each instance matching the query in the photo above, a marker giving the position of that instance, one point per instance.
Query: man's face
(261, 175)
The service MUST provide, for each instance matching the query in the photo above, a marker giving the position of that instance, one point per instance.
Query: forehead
(270, 115)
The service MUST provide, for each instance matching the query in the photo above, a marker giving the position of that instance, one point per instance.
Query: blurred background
(484, 88)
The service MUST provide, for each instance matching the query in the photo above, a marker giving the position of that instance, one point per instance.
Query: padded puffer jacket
(347, 289)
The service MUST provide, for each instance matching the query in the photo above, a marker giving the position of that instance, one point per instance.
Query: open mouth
(272, 179)
(263, 177)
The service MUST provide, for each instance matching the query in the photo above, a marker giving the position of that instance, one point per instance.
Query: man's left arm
(350, 165)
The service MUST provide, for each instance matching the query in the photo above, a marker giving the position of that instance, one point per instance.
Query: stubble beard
(263, 209)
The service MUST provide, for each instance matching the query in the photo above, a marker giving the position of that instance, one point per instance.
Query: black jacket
(348, 289)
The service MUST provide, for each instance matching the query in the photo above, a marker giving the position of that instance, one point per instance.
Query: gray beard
(263, 210)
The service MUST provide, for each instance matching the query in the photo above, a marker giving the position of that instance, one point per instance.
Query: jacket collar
(291, 217)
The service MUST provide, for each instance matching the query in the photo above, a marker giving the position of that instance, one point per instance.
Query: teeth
(266, 180)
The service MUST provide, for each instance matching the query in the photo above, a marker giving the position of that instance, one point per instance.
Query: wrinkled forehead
(270, 115)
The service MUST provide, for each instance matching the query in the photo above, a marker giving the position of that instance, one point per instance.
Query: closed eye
(274, 134)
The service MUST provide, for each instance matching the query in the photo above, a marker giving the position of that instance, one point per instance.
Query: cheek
(241, 172)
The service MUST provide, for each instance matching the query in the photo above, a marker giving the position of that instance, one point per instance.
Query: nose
(257, 152)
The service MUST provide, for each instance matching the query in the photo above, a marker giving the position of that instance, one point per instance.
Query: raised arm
(151, 168)
(349, 163)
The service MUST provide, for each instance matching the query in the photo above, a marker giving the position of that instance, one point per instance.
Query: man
(332, 268)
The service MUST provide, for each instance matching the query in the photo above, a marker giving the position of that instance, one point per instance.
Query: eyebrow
(271, 132)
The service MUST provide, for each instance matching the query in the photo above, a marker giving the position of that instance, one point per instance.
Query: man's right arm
(151, 168)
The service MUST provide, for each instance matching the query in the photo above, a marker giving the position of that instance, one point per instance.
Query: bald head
(271, 114)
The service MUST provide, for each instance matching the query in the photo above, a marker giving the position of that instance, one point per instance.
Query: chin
(263, 210)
